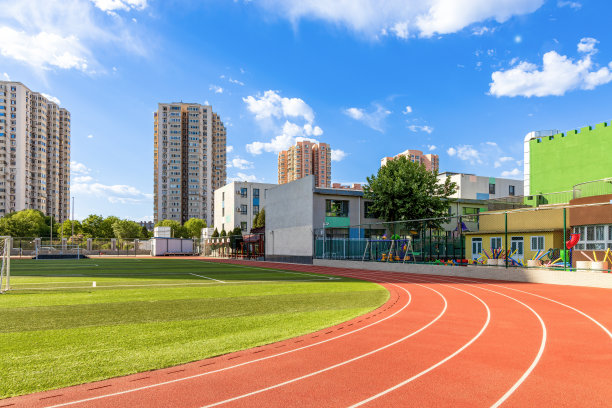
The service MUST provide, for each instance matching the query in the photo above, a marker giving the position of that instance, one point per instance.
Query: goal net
(65, 251)
(5, 267)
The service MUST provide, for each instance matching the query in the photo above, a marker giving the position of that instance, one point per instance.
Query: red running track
(438, 341)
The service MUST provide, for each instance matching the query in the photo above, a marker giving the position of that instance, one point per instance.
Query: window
(255, 209)
(470, 210)
(516, 247)
(368, 211)
(336, 208)
(255, 193)
(594, 237)
(243, 225)
(511, 190)
(243, 192)
(537, 243)
(491, 188)
(243, 208)
(496, 242)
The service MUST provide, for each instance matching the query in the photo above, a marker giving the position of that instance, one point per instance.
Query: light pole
(72, 221)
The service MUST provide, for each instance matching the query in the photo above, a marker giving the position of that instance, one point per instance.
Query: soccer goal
(65, 251)
(5, 267)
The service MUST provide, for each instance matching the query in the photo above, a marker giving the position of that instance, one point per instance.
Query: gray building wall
(289, 221)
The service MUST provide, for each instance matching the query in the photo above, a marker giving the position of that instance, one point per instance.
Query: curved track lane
(437, 341)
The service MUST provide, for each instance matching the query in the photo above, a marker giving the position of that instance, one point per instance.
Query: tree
(235, 232)
(178, 231)
(106, 227)
(223, 233)
(215, 233)
(144, 233)
(26, 223)
(193, 227)
(92, 226)
(403, 190)
(259, 221)
(125, 229)
(65, 228)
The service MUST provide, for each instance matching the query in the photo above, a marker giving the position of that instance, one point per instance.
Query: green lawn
(56, 329)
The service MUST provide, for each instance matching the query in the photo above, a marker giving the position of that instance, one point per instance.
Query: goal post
(5, 265)
(62, 251)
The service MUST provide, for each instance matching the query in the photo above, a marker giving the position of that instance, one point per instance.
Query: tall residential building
(34, 152)
(430, 161)
(304, 159)
(189, 161)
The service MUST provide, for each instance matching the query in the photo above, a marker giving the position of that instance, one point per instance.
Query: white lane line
(42, 283)
(206, 277)
(542, 342)
(242, 364)
(342, 363)
(271, 270)
(439, 363)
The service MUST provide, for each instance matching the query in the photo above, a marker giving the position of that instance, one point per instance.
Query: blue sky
(463, 79)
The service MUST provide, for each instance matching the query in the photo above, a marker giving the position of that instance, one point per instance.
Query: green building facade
(562, 166)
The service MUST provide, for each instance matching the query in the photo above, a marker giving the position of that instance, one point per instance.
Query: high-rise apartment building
(430, 161)
(34, 152)
(189, 161)
(304, 159)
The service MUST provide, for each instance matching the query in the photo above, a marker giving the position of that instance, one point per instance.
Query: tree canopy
(403, 190)
(193, 227)
(259, 220)
(178, 231)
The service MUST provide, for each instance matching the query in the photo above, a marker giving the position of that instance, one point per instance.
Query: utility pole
(72, 220)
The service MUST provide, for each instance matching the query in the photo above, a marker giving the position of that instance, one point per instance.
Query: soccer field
(57, 329)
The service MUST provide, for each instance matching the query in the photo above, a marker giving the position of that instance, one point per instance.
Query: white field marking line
(206, 277)
(41, 283)
(171, 284)
(439, 363)
(342, 363)
(269, 269)
(246, 362)
(68, 266)
(518, 382)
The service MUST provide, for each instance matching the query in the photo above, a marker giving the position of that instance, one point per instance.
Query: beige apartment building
(430, 161)
(189, 161)
(305, 159)
(34, 152)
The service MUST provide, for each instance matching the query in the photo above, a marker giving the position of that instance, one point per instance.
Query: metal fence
(564, 237)
(27, 246)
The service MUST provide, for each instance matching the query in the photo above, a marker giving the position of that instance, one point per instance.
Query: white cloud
(6, 76)
(237, 82)
(483, 30)
(216, 88)
(82, 179)
(559, 74)
(418, 128)
(271, 109)
(337, 155)
(512, 173)
(125, 5)
(229, 148)
(402, 18)
(272, 105)
(518, 39)
(407, 110)
(90, 136)
(466, 153)
(79, 168)
(572, 4)
(51, 98)
(243, 177)
(501, 160)
(60, 34)
(146, 218)
(431, 148)
(241, 164)
(374, 119)
(116, 194)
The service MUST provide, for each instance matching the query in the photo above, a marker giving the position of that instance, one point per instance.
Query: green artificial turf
(56, 329)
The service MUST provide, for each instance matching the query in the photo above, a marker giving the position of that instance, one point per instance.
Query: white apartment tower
(34, 152)
(189, 156)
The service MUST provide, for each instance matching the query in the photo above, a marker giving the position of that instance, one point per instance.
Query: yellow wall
(540, 219)
(552, 239)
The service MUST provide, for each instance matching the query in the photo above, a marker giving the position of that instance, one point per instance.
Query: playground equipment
(395, 249)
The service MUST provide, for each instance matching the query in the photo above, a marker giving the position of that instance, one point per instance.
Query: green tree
(144, 233)
(26, 223)
(259, 220)
(403, 190)
(194, 226)
(65, 228)
(92, 226)
(106, 227)
(178, 231)
(126, 229)
(223, 233)
(215, 233)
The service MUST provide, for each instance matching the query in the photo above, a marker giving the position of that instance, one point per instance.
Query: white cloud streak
(51, 98)
(419, 128)
(338, 155)
(373, 119)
